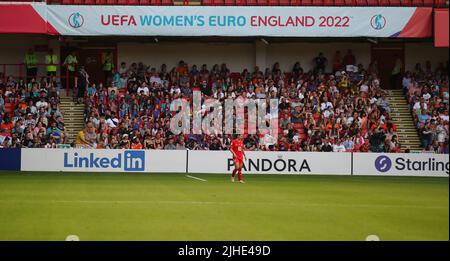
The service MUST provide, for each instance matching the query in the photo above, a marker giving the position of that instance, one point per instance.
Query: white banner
(320, 163)
(85, 160)
(401, 164)
(229, 21)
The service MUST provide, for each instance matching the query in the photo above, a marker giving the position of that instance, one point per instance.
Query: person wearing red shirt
(237, 149)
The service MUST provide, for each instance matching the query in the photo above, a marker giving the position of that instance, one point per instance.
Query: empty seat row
(113, 2)
(326, 2)
(435, 3)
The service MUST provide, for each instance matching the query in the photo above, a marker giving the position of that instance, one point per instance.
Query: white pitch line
(295, 204)
(192, 177)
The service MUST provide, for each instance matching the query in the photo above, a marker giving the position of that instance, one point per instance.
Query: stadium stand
(428, 97)
(433, 3)
(137, 109)
(318, 112)
(30, 115)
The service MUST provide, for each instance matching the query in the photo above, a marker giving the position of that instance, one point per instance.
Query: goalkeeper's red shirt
(238, 148)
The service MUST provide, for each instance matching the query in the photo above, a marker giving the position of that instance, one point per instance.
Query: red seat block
(373, 2)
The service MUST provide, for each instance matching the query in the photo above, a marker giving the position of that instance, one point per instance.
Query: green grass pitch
(107, 206)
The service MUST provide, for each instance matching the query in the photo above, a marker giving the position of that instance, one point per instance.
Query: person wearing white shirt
(444, 116)
(419, 105)
(364, 88)
(326, 104)
(175, 90)
(426, 96)
(339, 147)
(329, 112)
(112, 123)
(143, 88)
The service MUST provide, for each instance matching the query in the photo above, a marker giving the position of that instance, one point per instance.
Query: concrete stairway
(402, 117)
(73, 116)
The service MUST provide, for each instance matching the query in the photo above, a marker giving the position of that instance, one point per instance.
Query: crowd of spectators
(341, 110)
(345, 110)
(428, 97)
(29, 114)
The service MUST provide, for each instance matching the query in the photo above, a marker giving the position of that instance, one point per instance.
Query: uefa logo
(76, 20)
(378, 22)
(383, 163)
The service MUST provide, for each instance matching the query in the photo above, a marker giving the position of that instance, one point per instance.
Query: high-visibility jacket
(51, 59)
(30, 60)
(108, 65)
(71, 61)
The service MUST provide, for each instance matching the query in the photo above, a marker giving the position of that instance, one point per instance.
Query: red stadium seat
(143, 2)
(339, 2)
(274, 2)
(218, 2)
(262, 2)
(350, 2)
(240, 2)
(122, 2)
(317, 2)
(111, 2)
(207, 2)
(373, 2)
(89, 2)
(395, 2)
(440, 3)
(67, 2)
(428, 2)
(328, 2)
(384, 2)
(155, 2)
(9, 107)
(252, 2)
(405, 2)
(78, 2)
(306, 2)
(285, 2)
(167, 2)
(361, 2)
(100, 2)
(230, 2)
(417, 2)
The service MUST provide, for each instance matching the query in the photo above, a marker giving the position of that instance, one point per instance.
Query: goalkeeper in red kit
(237, 149)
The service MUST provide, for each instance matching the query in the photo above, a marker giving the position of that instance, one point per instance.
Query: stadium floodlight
(264, 41)
(372, 40)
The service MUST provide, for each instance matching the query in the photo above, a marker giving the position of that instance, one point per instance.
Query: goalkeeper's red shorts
(238, 160)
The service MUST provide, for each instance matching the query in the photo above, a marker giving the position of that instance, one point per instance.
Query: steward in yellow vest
(31, 64)
(52, 61)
